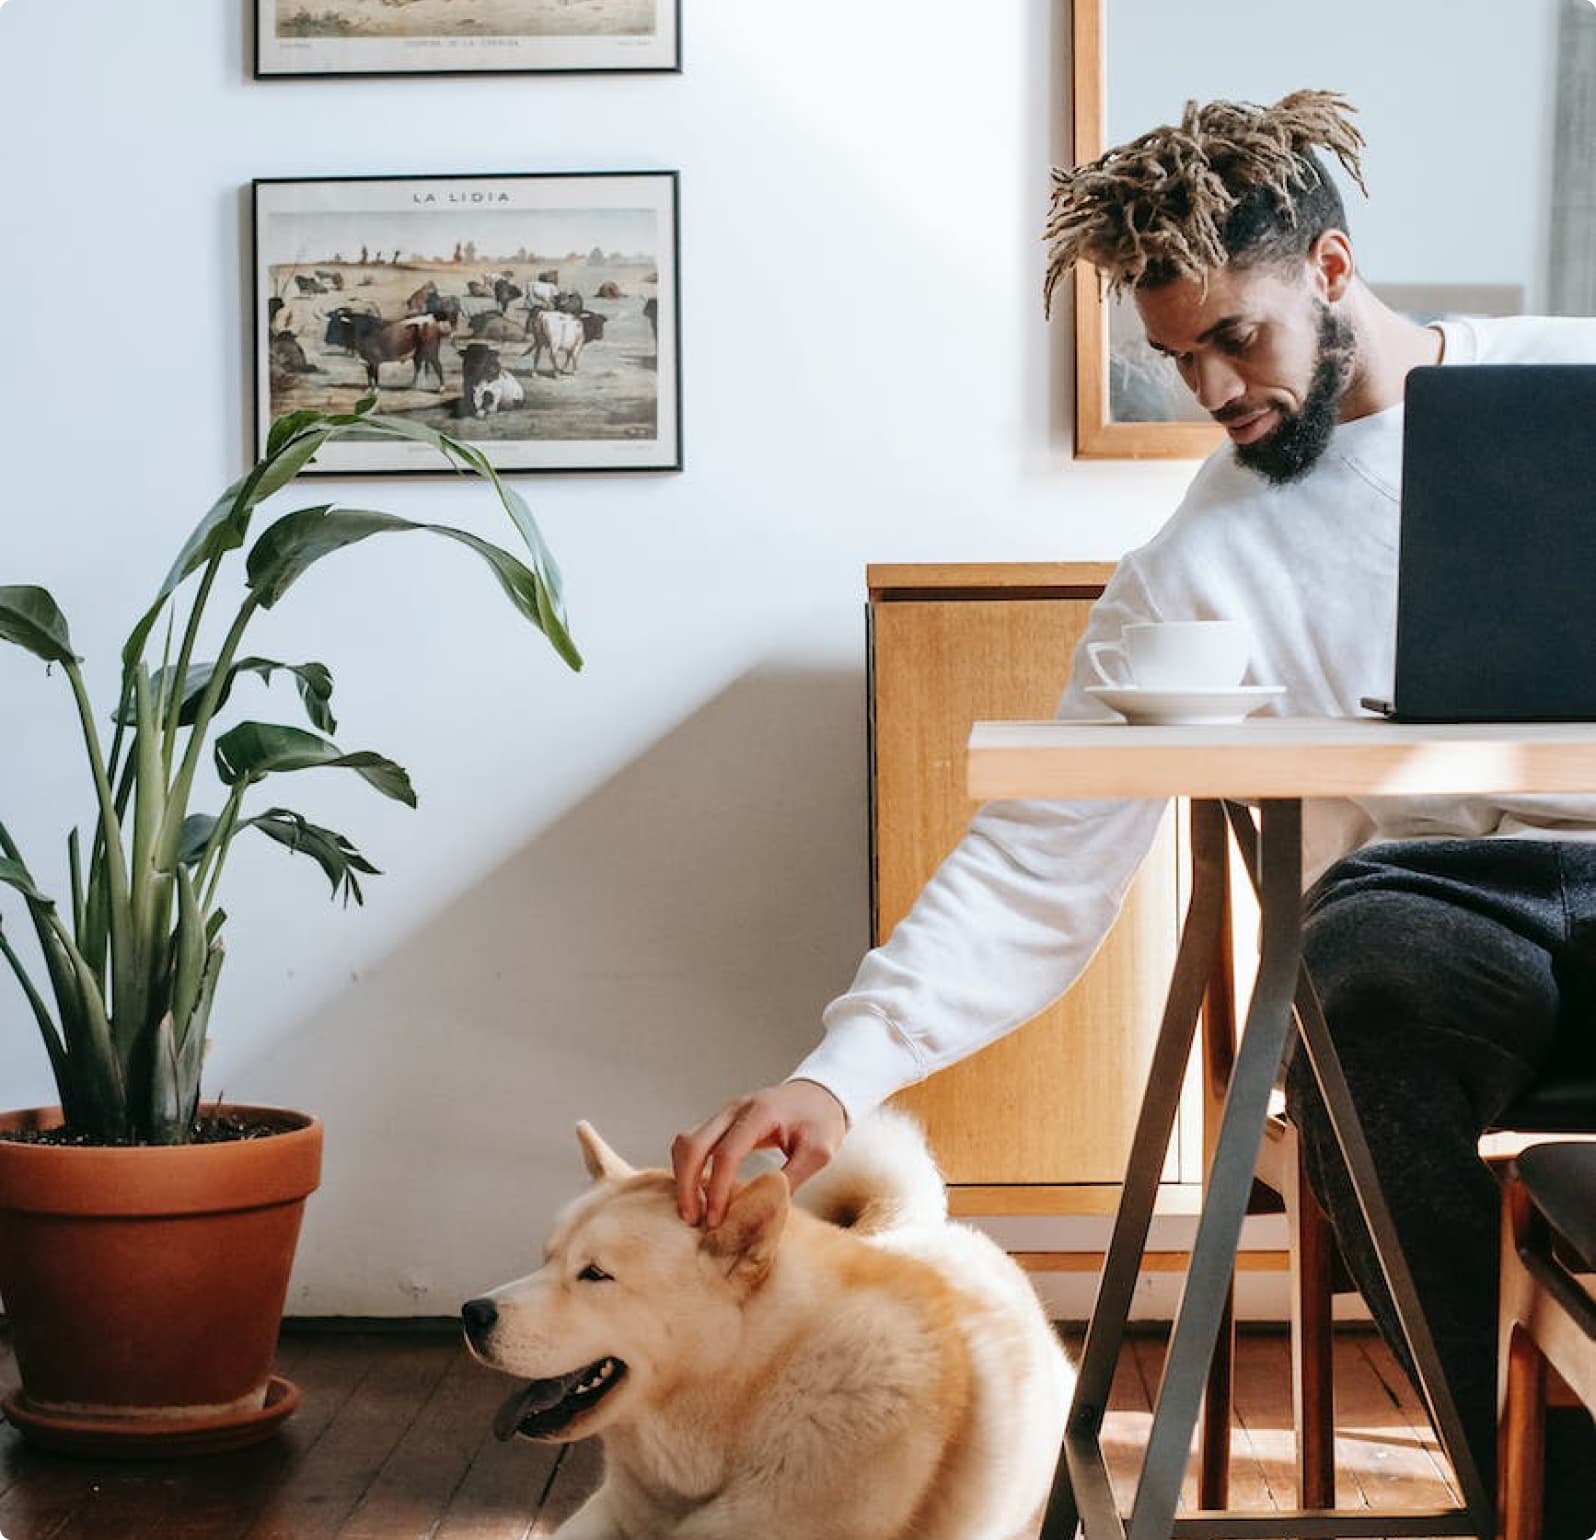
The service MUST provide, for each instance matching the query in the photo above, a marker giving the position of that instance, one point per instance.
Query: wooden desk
(1279, 762)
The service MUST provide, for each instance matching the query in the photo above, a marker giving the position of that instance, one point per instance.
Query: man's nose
(1216, 383)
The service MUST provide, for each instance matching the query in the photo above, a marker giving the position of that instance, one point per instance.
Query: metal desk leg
(1081, 1489)
(1080, 1484)
(1349, 1137)
(1348, 1130)
(1209, 1273)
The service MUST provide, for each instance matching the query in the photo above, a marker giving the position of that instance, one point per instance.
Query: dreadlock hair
(1233, 183)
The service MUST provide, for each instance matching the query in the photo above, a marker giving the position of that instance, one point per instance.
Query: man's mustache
(1236, 411)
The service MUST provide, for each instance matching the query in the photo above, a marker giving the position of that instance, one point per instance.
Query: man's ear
(603, 1164)
(1332, 265)
(744, 1242)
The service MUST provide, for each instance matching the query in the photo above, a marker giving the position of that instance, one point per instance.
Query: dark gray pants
(1452, 975)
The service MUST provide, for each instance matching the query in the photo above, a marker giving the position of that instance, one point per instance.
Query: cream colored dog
(857, 1368)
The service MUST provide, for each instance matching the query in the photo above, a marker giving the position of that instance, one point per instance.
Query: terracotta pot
(145, 1286)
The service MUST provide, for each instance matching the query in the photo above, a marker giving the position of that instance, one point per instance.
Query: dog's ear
(603, 1164)
(744, 1242)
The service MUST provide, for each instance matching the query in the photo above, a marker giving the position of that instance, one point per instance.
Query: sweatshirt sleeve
(1006, 925)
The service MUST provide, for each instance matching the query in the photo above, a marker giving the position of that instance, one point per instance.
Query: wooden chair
(1312, 1253)
(1562, 1104)
(1545, 1315)
(1313, 1257)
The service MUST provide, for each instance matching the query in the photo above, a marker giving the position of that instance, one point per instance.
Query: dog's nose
(479, 1316)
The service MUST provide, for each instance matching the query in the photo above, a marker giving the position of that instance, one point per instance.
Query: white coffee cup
(1177, 654)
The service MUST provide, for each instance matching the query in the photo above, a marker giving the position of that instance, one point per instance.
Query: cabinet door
(1054, 1102)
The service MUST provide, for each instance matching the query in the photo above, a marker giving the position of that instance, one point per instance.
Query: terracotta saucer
(151, 1439)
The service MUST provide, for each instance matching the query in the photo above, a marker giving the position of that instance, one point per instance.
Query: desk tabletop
(1281, 757)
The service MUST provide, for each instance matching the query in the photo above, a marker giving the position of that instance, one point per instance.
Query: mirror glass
(1480, 121)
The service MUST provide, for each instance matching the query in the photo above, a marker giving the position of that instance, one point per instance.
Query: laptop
(1496, 572)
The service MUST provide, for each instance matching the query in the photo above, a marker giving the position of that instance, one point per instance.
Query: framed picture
(535, 316)
(1418, 241)
(432, 37)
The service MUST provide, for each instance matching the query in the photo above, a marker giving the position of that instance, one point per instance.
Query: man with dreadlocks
(1449, 939)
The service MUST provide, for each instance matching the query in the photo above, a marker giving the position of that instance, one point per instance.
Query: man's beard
(1293, 448)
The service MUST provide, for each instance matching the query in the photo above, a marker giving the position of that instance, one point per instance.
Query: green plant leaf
(165, 1106)
(191, 1046)
(195, 835)
(224, 527)
(313, 681)
(15, 874)
(551, 611)
(252, 750)
(326, 847)
(287, 548)
(360, 409)
(287, 426)
(210, 537)
(187, 951)
(49, 1033)
(32, 619)
(294, 542)
(92, 1093)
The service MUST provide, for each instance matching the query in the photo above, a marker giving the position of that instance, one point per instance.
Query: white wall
(1453, 96)
(626, 895)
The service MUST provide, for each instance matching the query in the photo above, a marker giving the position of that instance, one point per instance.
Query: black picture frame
(535, 315)
(323, 50)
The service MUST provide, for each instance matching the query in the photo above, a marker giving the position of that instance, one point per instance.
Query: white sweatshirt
(1012, 917)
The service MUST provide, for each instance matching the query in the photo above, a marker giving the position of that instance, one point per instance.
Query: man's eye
(1237, 342)
(593, 1273)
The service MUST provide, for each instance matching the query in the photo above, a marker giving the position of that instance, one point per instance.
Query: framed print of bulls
(535, 316)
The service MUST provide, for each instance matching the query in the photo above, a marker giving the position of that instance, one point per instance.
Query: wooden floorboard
(1124, 1432)
(346, 1461)
(501, 1492)
(1386, 1434)
(1263, 1366)
(575, 1479)
(393, 1441)
(428, 1465)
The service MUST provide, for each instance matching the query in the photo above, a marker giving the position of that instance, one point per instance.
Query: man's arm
(1004, 927)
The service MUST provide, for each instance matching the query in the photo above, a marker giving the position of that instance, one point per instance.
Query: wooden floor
(392, 1442)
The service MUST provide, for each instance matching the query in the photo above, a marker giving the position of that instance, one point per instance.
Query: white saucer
(1184, 708)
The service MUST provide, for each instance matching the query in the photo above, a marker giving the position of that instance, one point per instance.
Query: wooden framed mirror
(1481, 163)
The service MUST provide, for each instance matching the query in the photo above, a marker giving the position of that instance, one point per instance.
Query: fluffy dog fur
(854, 1368)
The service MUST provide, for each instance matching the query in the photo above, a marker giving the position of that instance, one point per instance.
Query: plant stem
(75, 876)
(96, 922)
(63, 977)
(115, 757)
(180, 679)
(177, 801)
(47, 1028)
(106, 1073)
(151, 890)
(216, 847)
(122, 984)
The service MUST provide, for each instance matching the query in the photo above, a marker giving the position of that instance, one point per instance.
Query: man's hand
(800, 1118)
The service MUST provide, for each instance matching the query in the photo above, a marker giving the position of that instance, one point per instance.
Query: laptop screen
(1496, 589)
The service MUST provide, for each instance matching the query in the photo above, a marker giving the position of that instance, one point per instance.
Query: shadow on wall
(670, 942)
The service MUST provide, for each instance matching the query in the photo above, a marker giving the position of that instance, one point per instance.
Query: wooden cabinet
(1040, 1121)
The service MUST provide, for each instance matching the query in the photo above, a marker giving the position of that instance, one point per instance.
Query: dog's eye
(593, 1273)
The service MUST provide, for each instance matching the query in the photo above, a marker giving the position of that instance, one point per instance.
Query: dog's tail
(883, 1178)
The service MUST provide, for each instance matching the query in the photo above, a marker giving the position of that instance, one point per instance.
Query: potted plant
(145, 1241)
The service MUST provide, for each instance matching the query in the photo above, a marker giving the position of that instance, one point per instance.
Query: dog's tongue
(536, 1396)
